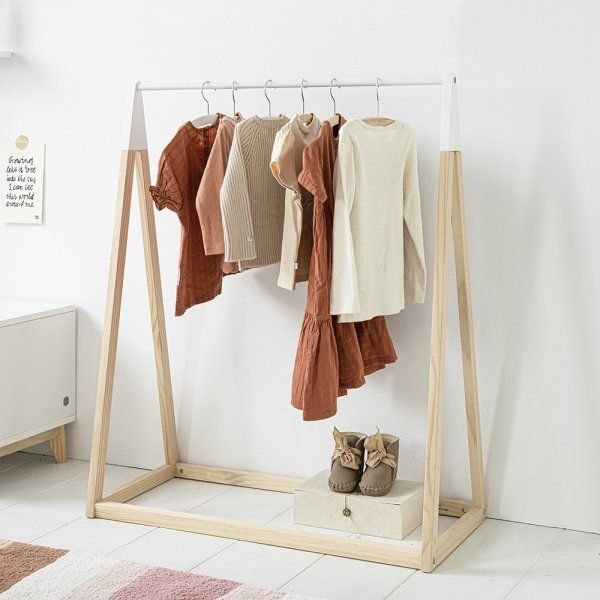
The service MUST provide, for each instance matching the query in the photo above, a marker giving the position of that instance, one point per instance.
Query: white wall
(529, 101)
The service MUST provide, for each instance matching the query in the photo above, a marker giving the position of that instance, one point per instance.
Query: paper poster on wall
(21, 181)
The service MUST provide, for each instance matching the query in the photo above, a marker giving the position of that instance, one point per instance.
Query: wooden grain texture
(140, 485)
(261, 481)
(450, 507)
(431, 498)
(33, 440)
(263, 534)
(465, 313)
(157, 310)
(458, 532)
(58, 445)
(110, 334)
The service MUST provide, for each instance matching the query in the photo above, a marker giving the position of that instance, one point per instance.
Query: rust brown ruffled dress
(331, 356)
(180, 171)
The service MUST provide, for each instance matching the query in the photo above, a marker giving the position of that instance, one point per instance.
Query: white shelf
(5, 53)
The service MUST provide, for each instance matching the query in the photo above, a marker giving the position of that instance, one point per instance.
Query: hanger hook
(331, 93)
(204, 97)
(302, 85)
(233, 88)
(379, 80)
(266, 95)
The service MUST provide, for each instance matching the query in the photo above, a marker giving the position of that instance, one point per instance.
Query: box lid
(16, 310)
(401, 491)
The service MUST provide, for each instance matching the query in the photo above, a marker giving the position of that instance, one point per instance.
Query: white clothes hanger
(378, 121)
(208, 119)
(267, 82)
(302, 94)
(233, 88)
(304, 117)
(335, 119)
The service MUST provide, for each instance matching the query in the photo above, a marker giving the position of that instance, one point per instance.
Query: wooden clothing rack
(450, 226)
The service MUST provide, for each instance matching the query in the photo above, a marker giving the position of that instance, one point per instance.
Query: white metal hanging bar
(409, 81)
(135, 126)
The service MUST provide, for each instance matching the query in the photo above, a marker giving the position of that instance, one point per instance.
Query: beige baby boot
(381, 466)
(347, 461)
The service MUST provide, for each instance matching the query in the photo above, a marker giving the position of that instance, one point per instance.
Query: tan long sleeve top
(286, 164)
(252, 202)
(208, 198)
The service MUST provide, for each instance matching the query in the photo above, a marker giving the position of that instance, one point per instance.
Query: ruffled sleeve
(311, 176)
(167, 191)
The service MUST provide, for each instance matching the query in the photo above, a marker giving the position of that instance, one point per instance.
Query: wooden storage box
(392, 516)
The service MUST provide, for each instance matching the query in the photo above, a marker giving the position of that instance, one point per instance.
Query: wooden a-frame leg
(431, 497)
(157, 311)
(110, 334)
(58, 445)
(465, 313)
(450, 220)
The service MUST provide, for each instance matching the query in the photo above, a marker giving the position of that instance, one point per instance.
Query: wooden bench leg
(58, 445)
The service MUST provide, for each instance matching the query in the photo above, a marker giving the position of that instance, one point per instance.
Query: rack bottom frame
(114, 507)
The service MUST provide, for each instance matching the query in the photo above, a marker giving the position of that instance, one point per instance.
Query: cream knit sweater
(252, 202)
(378, 256)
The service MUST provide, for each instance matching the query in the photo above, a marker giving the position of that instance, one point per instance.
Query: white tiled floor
(43, 502)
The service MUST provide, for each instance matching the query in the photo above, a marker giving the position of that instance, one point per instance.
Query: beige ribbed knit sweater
(252, 202)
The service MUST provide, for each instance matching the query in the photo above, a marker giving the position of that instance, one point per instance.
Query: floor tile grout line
(319, 556)
(131, 541)
(52, 487)
(207, 500)
(26, 462)
(278, 515)
(233, 542)
(189, 510)
(78, 518)
(314, 562)
(532, 566)
(56, 528)
(415, 571)
(43, 491)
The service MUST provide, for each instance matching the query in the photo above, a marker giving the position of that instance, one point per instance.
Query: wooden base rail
(458, 532)
(449, 507)
(141, 485)
(113, 507)
(262, 534)
(450, 234)
(259, 481)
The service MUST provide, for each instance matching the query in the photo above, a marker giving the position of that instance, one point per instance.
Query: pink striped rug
(41, 573)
